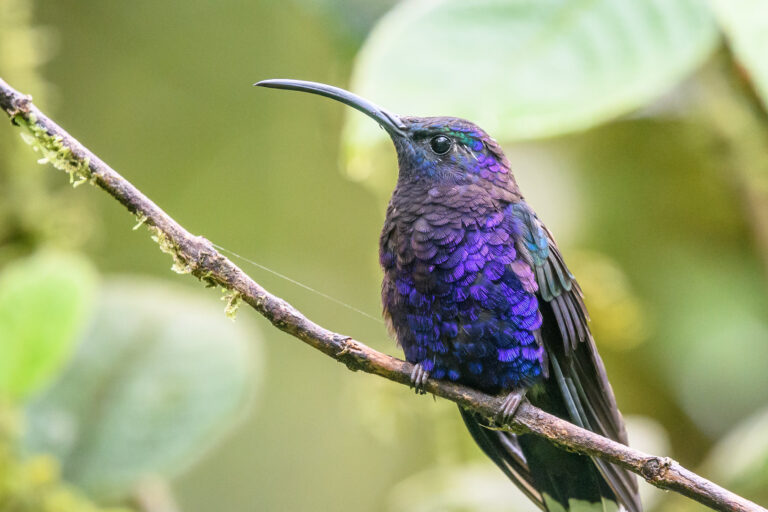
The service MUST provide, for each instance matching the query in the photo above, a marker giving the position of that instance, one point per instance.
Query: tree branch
(195, 255)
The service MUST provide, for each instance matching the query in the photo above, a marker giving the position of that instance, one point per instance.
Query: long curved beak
(387, 120)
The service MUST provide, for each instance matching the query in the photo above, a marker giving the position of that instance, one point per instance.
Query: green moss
(53, 151)
(168, 246)
(181, 266)
(233, 299)
(209, 279)
(140, 220)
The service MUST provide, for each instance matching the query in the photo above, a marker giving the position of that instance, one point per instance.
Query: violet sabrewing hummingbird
(476, 291)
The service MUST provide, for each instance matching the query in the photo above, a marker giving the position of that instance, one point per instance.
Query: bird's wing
(575, 363)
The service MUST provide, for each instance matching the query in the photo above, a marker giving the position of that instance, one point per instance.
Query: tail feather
(555, 480)
(505, 451)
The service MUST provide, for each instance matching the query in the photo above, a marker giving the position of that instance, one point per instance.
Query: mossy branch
(195, 255)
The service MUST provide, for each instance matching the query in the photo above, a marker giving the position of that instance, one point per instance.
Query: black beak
(387, 120)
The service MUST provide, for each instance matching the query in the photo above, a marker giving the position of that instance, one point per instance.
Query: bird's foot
(419, 377)
(510, 405)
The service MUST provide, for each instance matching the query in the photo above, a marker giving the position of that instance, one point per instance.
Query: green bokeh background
(162, 92)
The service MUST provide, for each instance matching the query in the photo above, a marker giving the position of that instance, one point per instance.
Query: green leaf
(156, 381)
(45, 302)
(523, 69)
(745, 23)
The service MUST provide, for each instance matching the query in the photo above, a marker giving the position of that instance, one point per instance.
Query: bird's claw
(510, 405)
(419, 377)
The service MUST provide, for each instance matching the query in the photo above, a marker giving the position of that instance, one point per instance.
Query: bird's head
(428, 148)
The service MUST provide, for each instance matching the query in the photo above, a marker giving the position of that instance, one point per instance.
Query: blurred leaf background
(636, 128)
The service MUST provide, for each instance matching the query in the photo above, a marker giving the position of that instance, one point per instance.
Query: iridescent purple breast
(460, 299)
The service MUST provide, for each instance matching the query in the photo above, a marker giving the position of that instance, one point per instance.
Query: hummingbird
(476, 291)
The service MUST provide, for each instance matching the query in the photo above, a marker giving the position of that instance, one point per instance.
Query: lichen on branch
(52, 149)
(169, 246)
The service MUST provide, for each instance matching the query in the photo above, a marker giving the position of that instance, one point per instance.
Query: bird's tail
(554, 479)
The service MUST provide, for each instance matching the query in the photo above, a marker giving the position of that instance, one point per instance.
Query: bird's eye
(440, 144)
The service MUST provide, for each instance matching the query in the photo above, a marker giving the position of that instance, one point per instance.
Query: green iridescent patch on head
(463, 137)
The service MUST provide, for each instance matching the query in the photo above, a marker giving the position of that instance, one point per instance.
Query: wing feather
(576, 365)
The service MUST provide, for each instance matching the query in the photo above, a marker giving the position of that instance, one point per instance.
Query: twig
(195, 255)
